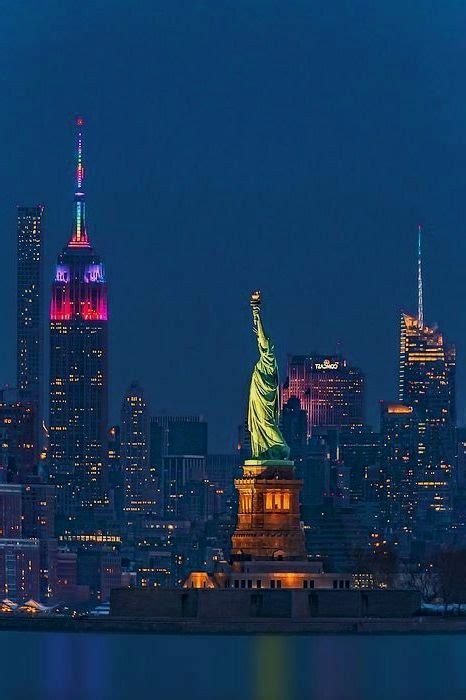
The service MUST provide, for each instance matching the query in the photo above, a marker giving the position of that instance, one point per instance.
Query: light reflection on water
(49, 666)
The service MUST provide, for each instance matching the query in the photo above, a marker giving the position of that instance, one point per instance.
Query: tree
(385, 564)
(450, 565)
(423, 578)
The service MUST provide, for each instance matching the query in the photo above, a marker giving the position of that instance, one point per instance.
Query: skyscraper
(427, 384)
(29, 295)
(139, 479)
(329, 389)
(10, 511)
(358, 448)
(78, 364)
(19, 569)
(178, 453)
(177, 435)
(116, 481)
(398, 452)
(17, 453)
(294, 427)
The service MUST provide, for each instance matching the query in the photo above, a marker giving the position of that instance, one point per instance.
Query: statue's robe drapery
(266, 439)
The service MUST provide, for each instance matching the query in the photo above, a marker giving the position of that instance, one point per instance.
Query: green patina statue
(267, 442)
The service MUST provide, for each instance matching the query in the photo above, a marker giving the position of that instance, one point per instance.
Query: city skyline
(149, 481)
(247, 161)
(80, 229)
(232, 386)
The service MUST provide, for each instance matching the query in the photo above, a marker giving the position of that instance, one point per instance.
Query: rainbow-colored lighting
(79, 291)
(79, 238)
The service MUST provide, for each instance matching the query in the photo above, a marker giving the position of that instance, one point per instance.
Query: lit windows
(277, 501)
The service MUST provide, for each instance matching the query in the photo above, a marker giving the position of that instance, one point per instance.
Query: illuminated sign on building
(326, 364)
(330, 391)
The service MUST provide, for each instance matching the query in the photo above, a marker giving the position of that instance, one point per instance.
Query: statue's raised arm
(267, 442)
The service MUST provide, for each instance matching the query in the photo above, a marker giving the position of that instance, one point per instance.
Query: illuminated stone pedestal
(268, 550)
(268, 526)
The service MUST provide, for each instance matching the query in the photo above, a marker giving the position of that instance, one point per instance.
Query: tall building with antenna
(78, 365)
(29, 314)
(427, 385)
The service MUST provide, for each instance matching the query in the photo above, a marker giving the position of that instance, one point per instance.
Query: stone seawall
(217, 605)
(109, 625)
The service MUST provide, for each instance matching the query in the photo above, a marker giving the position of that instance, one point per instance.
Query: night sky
(291, 146)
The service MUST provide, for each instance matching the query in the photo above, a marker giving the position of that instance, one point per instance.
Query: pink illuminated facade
(79, 290)
(328, 388)
(78, 364)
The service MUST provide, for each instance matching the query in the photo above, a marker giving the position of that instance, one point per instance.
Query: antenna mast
(420, 302)
(79, 236)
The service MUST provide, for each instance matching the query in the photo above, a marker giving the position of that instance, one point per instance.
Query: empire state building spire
(79, 238)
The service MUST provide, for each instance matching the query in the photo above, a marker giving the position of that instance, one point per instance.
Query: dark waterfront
(120, 667)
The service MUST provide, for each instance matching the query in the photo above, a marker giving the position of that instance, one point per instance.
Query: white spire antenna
(420, 302)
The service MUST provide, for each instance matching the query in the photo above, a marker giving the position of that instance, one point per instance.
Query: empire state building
(78, 365)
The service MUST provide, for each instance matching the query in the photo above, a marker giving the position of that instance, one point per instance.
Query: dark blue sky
(233, 144)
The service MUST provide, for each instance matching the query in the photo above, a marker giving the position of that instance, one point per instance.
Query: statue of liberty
(267, 442)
